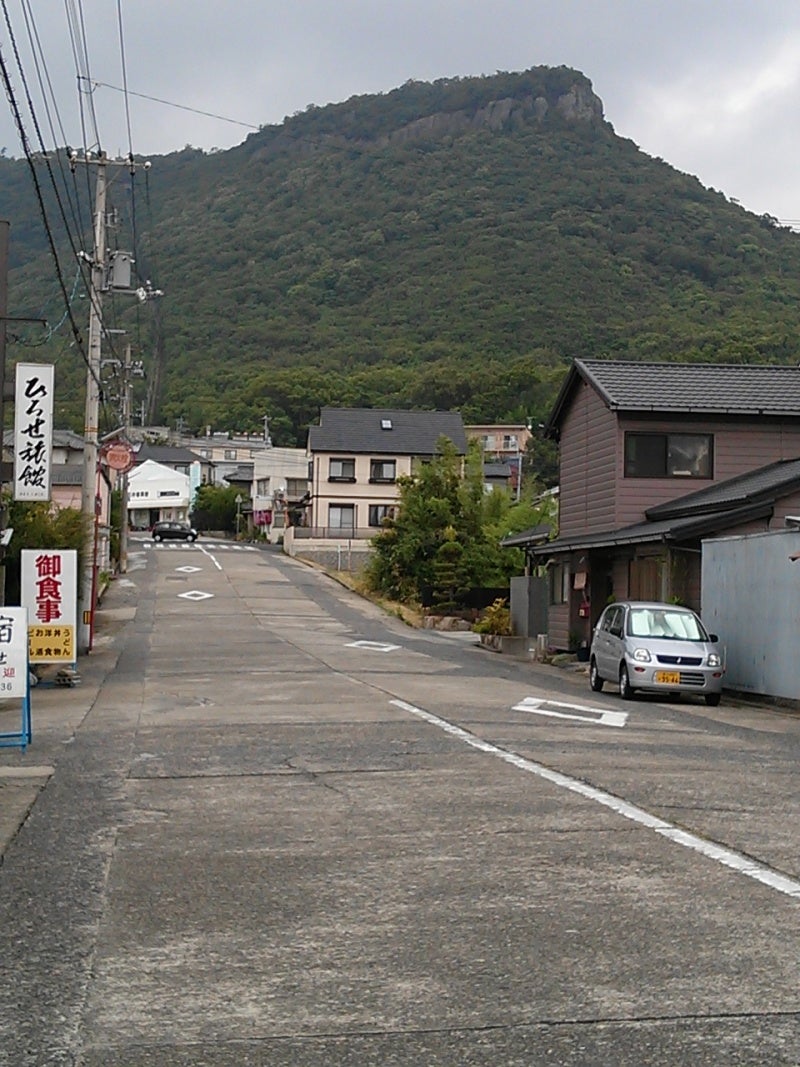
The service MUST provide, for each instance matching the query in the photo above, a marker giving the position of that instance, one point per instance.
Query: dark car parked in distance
(173, 530)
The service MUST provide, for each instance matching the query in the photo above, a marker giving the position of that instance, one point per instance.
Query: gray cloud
(712, 87)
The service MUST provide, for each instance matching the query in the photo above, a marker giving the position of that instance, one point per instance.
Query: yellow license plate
(668, 677)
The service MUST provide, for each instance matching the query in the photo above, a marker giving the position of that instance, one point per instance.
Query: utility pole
(99, 283)
(92, 411)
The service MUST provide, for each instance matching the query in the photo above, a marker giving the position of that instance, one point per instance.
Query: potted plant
(495, 629)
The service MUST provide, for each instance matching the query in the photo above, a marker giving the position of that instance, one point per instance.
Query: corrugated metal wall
(751, 598)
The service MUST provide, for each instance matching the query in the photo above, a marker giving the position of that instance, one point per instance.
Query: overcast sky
(710, 86)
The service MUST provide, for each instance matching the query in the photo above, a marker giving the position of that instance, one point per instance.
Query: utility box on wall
(751, 598)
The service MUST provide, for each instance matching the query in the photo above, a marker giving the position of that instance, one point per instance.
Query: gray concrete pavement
(242, 842)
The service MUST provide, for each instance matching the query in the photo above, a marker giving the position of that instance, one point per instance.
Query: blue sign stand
(23, 738)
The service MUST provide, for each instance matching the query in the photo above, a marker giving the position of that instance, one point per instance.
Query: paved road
(274, 826)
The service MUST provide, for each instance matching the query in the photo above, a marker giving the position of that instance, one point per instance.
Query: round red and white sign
(119, 456)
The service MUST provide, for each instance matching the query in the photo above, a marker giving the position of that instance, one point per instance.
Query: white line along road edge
(727, 857)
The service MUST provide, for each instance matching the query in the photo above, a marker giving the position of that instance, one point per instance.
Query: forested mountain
(447, 245)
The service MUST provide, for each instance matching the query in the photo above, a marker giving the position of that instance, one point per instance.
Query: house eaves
(667, 531)
(772, 482)
(536, 535)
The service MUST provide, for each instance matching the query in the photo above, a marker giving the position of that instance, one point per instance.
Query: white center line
(727, 857)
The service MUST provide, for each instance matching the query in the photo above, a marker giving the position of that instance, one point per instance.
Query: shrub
(496, 619)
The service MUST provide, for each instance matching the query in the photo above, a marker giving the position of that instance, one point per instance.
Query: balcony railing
(337, 533)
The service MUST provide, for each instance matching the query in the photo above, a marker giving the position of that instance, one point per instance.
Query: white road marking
(726, 856)
(595, 716)
(373, 646)
(188, 570)
(196, 594)
(213, 559)
(173, 546)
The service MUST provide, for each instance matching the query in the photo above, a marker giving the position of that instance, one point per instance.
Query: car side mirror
(714, 638)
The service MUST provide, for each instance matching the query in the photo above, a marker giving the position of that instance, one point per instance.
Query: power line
(169, 103)
(124, 77)
(80, 51)
(37, 187)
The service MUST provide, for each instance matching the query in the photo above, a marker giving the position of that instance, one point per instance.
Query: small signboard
(13, 652)
(49, 591)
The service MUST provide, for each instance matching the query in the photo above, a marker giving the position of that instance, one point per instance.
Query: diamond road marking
(195, 594)
(373, 646)
(188, 570)
(594, 716)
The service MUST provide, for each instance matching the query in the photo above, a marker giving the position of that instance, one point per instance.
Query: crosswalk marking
(183, 545)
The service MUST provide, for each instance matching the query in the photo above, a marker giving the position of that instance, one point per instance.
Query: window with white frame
(382, 470)
(230, 453)
(342, 517)
(341, 470)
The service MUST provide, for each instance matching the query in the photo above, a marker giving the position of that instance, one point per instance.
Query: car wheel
(595, 681)
(712, 699)
(625, 687)
(192, 537)
(157, 537)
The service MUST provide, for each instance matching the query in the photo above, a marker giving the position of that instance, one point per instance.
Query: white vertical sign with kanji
(33, 430)
(13, 652)
(49, 590)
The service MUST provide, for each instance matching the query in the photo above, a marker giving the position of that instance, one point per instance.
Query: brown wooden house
(653, 458)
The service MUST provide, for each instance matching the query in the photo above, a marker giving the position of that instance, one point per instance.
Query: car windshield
(663, 622)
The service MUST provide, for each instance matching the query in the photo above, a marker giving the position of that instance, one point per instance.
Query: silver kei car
(660, 647)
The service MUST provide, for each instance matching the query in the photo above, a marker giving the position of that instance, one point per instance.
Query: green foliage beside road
(215, 508)
(37, 525)
(445, 538)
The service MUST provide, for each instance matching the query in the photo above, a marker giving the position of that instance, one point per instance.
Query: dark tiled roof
(61, 439)
(411, 433)
(719, 507)
(680, 388)
(242, 472)
(66, 474)
(167, 454)
(497, 470)
(774, 480)
(536, 535)
(675, 531)
(719, 388)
